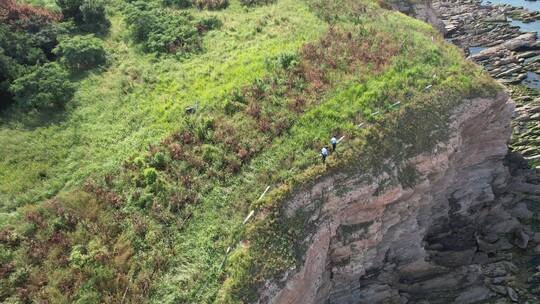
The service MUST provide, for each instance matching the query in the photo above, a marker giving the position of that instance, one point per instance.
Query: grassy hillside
(140, 99)
(145, 199)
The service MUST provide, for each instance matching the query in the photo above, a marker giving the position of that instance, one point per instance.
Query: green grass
(140, 99)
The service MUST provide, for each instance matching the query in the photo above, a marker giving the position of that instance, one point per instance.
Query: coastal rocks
(506, 61)
(521, 239)
(512, 294)
(525, 42)
(526, 125)
(485, 32)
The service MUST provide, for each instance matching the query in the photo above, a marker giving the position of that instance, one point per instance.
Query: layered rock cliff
(445, 240)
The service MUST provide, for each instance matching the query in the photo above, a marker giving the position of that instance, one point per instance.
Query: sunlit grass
(141, 98)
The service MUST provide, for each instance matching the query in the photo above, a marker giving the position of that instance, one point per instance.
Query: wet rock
(505, 226)
(512, 294)
(521, 212)
(498, 289)
(526, 187)
(473, 295)
(523, 42)
(499, 269)
(528, 54)
(480, 258)
(521, 239)
(498, 281)
(495, 270)
(500, 245)
(534, 109)
(510, 72)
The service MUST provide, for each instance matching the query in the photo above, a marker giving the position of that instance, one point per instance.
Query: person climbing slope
(324, 154)
(334, 142)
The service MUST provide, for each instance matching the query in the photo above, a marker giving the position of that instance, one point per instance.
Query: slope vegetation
(141, 200)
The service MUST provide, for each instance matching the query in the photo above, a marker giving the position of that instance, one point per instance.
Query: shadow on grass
(32, 119)
(13, 116)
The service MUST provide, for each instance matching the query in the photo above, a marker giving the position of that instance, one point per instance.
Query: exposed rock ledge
(440, 242)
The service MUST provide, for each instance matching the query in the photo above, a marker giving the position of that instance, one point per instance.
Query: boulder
(512, 294)
(521, 239)
(521, 211)
(523, 42)
(474, 295)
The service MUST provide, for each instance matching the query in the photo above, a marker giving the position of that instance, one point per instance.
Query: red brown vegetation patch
(23, 16)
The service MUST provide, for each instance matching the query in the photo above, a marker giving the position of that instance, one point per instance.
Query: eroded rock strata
(469, 231)
(463, 234)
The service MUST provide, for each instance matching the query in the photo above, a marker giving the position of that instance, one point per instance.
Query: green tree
(94, 17)
(46, 86)
(178, 3)
(79, 53)
(9, 70)
(71, 9)
(88, 15)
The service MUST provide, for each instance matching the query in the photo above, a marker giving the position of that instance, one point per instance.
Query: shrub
(174, 35)
(162, 31)
(81, 53)
(256, 2)
(71, 9)
(208, 24)
(48, 85)
(89, 15)
(9, 70)
(211, 4)
(141, 23)
(150, 175)
(159, 160)
(27, 37)
(94, 17)
(177, 3)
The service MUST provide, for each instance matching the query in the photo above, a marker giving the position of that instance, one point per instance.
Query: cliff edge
(437, 242)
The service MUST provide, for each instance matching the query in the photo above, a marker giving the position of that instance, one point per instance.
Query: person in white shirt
(324, 154)
(334, 142)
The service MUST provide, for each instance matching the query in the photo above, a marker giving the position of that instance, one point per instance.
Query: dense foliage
(27, 38)
(80, 53)
(162, 31)
(256, 2)
(47, 86)
(29, 46)
(211, 4)
(89, 15)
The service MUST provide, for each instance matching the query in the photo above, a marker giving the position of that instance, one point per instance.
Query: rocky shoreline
(512, 57)
(506, 53)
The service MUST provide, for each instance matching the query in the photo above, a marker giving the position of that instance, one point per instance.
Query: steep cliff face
(434, 242)
(422, 10)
